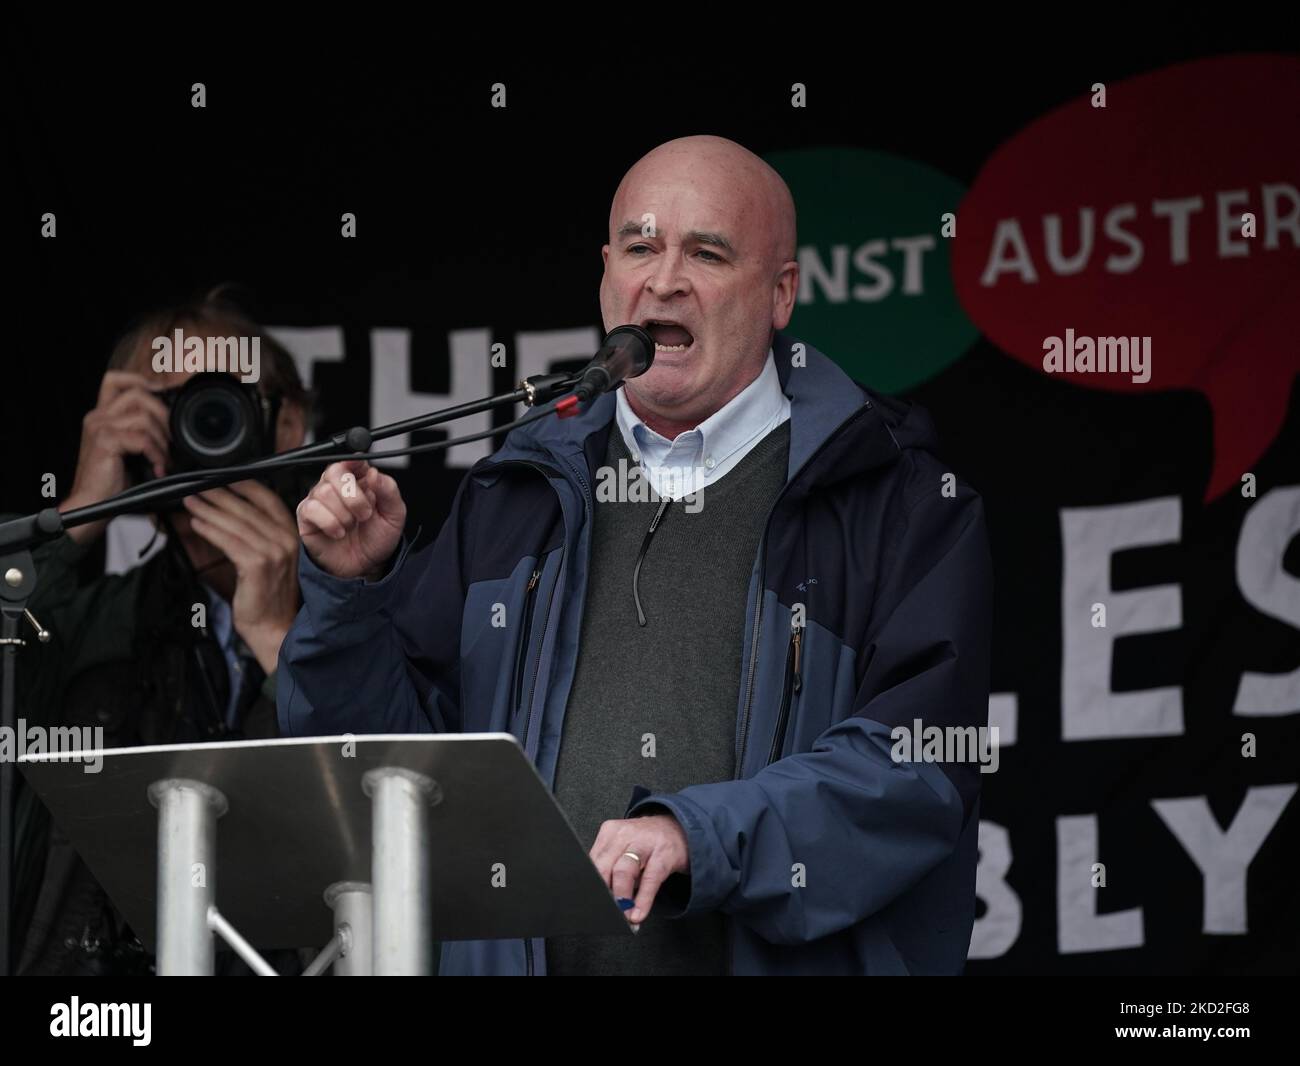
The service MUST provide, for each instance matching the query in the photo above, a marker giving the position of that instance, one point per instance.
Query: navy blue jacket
(825, 854)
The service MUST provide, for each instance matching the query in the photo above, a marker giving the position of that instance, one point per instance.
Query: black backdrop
(470, 217)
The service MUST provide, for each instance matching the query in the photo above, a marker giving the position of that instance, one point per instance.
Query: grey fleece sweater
(655, 704)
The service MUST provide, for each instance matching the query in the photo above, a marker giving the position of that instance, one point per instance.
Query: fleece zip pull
(640, 558)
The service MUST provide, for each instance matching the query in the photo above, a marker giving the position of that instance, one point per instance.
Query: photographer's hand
(253, 527)
(126, 420)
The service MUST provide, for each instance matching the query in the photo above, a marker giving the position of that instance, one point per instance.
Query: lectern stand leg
(399, 867)
(351, 903)
(187, 854)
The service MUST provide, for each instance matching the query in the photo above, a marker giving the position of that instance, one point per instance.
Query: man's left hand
(657, 840)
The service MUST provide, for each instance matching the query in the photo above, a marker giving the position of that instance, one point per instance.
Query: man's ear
(785, 294)
(290, 426)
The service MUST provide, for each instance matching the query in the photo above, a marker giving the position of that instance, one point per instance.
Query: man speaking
(707, 678)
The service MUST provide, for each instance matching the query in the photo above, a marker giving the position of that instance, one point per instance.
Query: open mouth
(668, 336)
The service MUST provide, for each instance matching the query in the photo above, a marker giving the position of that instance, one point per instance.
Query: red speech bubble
(1097, 224)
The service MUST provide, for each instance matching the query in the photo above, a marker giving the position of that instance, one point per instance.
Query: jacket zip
(532, 689)
(519, 690)
(532, 584)
(758, 621)
(546, 619)
(793, 682)
(523, 642)
(528, 725)
(762, 570)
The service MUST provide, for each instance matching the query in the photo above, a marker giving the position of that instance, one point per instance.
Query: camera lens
(217, 421)
(213, 423)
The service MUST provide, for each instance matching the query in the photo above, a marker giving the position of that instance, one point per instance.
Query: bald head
(731, 170)
(701, 252)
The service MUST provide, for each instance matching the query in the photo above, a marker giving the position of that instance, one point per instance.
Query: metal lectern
(375, 846)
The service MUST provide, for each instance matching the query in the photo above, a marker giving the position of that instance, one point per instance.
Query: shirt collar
(731, 427)
(222, 620)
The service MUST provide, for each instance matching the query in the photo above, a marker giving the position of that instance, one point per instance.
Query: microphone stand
(18, 574)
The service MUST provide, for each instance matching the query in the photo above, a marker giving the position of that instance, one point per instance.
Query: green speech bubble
(875, 287)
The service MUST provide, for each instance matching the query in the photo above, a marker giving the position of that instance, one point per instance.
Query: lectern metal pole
(187, 867)
(399, 867)
(351, 903)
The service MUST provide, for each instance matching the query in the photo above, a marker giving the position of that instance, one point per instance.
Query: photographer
(180, 649)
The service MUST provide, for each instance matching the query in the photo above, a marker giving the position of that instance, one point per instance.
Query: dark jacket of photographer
(124, 656)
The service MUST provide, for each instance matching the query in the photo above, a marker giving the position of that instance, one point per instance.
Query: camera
(216, 420)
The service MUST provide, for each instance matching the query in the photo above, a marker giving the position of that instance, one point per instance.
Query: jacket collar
(822, 399)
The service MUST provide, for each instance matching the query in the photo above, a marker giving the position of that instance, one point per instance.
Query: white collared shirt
(700, 457)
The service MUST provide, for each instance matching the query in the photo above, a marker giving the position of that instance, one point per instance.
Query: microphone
(627, 352)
